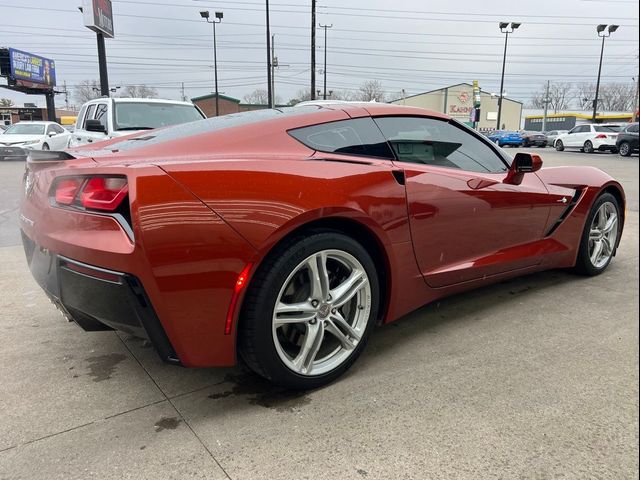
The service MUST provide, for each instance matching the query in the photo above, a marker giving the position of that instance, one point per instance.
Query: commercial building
(30, 112)
(457, 101)
(226, 105)
(533, 119)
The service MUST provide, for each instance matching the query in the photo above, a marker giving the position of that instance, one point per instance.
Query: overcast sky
(406, 44)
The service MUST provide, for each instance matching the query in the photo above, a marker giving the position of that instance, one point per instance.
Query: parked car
(21, 137)
(106, 118)
(627, 141)
(284, 236)
(589, 138)
(503, 138)
(534, 139)
(553, 135)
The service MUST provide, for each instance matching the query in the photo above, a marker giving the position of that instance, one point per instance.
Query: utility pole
(66, 96)
(324, 90)
(637, 100)
(274, 64)
(182, 95)
(546, 106)
(313, 49)
(269, 91)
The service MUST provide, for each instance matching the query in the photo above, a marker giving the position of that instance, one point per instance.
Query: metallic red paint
(200, 220)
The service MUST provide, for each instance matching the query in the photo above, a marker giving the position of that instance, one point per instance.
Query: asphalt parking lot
(533, 378)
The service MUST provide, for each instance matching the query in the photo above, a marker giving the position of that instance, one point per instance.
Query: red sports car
(284, 236)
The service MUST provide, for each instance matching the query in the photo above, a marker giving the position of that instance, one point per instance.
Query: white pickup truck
(105, 118)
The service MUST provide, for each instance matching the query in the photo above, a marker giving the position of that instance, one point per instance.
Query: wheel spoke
(338, 321)
(597, 251)
(345, 341)
(319, 276)
(611, 224)
(594, 234)
(602, 217)
(293, 313)
(347, 289)
(303, 363)
(606, 247)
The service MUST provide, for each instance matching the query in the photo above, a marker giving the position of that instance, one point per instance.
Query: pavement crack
(47, 436)
(168, 399)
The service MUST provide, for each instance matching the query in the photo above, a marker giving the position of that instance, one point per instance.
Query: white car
(32, 136)
(589, 138)
(105, 118)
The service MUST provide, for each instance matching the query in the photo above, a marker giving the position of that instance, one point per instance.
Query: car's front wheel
(559, 145)
(600, 236)
(625, 149)
(45, 146)
(309, 310)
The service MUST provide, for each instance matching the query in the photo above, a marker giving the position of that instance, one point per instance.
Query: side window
(574, 130)
(439, 143)
(359, 136)
(50, 129)
(633, 128)
(80, 119)
(101, 114)
(58, 129)
(89, 116)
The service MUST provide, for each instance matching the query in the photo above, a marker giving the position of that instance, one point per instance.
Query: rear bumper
(97, 298)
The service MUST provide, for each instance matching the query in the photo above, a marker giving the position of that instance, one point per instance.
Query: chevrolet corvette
(283, 237)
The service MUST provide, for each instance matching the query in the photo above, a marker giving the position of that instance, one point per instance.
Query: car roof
(138, 100)
(36, 122)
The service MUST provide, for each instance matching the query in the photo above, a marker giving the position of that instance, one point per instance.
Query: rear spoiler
(48, 156)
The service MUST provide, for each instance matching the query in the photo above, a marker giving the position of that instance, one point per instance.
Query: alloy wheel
(321, 312)
(603, 235)
(624, 149)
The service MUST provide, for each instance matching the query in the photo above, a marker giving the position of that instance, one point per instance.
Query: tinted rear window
(359, 136)
(607, 128)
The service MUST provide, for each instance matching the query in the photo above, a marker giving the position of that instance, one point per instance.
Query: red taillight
(104, 193)
(602, 135)
(92, 193)
(67, 189)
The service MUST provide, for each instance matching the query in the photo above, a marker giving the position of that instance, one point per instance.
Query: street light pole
(269, 91)
(324, 91)
(603, 32)
(506, 28)
(217, 19)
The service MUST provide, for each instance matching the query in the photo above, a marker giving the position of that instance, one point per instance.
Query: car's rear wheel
(309, 310)
(587, 147)
(600, 236)
(559, 145)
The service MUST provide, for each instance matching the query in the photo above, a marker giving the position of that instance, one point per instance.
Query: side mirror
(95, 126)
(51, 134)
(523, 163)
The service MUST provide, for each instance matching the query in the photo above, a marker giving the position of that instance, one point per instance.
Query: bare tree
(86, 90)
(344, 95)
(371, 90)
(612, 97)
(560, 94)
(139, 91)
(258, 97)
(6, 102)
(301, 96)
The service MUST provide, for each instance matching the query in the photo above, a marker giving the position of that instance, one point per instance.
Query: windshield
(607, 128)
(25, 129)
(141, 116)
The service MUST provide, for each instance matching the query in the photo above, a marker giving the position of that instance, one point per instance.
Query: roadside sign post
(98, 16)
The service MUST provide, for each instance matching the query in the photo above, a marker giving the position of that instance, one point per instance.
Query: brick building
(226, 105)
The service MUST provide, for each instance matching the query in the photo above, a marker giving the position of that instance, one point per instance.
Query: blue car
(502, 138)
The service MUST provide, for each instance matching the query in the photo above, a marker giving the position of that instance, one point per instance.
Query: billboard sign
(98, 16)
(32, 70)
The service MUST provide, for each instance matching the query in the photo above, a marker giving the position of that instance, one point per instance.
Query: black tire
(559, 146)
(625, 149)
(45, 146)
(583, 263)
(255, 336)
(587, 147)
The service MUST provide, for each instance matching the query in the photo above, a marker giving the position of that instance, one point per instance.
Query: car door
(571, 138)
(466, 223)
(60, 137)
(81, 136)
